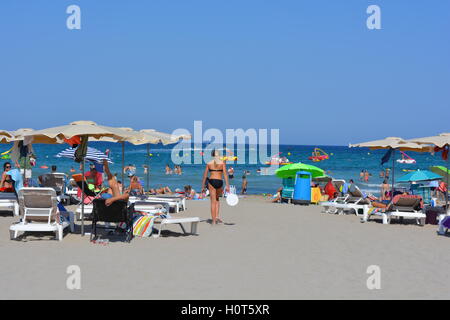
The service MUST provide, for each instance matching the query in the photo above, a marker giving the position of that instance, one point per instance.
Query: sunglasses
(8, 167)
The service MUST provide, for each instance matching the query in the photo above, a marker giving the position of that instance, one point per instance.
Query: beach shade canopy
(91, 155)
(439, 141)
(6, 136)
(153, 137)
(78, 128)
(391, 143)
(290, 170)
(419, 175)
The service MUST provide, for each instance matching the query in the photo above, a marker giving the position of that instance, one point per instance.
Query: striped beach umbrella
(91, 155)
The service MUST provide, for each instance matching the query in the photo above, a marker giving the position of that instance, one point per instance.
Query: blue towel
(17, 177)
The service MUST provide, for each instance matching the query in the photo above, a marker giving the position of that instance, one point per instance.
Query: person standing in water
(244, 183)
(217, 169)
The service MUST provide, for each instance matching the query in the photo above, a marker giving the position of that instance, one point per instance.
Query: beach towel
(377, 211)
(81, 151)
(17, 177)
(446, 222)
(345, 188)
(330, 190)
(386, 157)
(143, 225)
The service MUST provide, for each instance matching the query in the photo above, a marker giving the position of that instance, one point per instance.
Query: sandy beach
(263, 251)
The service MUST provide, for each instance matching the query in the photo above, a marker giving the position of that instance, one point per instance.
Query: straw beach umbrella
(151, 136)
(440, 141)
(393, 144)
(6, 136)
(84, 129)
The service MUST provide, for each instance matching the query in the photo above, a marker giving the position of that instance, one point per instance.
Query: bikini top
(218, 170)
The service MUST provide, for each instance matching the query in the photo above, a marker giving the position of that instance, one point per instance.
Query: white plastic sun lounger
(150, 207)
(176, 203)
(405, 207)
(192, 220)
(352, 202)
(39, 208)
(8, 201)
(181, 201)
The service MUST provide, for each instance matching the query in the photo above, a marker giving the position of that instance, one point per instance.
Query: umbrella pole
(25, 171)
(123, 165)
(446, 193)
(82, 197)
(148, 167)
(393, 172)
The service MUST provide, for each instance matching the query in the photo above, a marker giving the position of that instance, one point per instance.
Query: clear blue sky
(310, 68)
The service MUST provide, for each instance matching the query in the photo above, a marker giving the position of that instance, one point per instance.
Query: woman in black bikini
(6, 184)
(217, 169)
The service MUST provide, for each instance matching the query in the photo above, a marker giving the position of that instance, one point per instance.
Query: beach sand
(264, 251)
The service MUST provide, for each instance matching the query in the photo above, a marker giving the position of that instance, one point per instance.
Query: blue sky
(310, 68)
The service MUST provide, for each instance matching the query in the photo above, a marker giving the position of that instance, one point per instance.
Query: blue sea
(343, 163)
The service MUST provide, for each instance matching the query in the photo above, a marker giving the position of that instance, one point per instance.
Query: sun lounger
(177, 198)
(192, 220)
(150, 207)
(176, 203)
(8, 201)
(39, 209)
(56, 181)
(354, 201)
(405, 206)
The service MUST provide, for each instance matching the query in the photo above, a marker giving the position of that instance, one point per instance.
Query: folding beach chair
(117, 212)
(89, 195)
(288, 189)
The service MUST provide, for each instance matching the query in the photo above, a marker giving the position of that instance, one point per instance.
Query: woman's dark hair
(5, 164)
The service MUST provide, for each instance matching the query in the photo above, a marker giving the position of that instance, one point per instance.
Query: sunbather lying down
(162, 190)
(114, 186)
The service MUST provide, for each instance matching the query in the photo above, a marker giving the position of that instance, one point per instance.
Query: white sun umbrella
(442, 141)
(88, 129)
(6, 136)
(151, 136)
(394, 143)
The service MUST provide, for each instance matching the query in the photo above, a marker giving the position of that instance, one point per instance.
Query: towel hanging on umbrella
(92, 154)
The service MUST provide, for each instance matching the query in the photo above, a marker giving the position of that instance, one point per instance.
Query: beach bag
(143, 225)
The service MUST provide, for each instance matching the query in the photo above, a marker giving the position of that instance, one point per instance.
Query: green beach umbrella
(290, 170)
(442, 171)
(419, 175)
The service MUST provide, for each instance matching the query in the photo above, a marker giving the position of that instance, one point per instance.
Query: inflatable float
(406, 159)
(319, 155)
(276, 160)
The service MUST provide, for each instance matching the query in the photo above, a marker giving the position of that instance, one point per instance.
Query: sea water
(343, 163)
